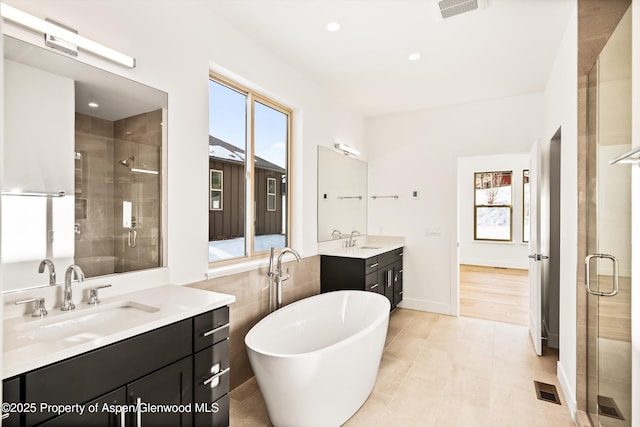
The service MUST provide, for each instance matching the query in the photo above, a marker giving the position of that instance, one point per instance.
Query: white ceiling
(503, 49)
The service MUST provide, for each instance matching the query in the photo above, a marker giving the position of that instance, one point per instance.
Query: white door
(538, 239)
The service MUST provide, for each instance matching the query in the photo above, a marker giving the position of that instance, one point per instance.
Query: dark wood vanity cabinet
(177, 375)
(381, 273)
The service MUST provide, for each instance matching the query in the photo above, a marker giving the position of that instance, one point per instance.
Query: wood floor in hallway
(490, 293)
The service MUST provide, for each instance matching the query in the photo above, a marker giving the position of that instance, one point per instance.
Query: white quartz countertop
(30, 343)
(369, 248)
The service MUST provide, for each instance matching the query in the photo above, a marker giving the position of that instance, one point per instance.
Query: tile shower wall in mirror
(83, 170)
(117, 186)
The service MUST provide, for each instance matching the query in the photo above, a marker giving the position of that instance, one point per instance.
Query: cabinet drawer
(213, 414)
(11, 394)
(386, 258)
(371, 283)
(210, 328)
(371, 265)
(211, 372)
(399, 253)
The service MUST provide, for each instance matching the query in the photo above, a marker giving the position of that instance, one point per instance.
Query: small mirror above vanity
(83, 169)
(342, 195)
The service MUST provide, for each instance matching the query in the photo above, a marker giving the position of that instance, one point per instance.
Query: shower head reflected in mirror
(127, 162)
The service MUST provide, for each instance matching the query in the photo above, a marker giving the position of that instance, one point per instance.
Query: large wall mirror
(82, 172)
(342, 195)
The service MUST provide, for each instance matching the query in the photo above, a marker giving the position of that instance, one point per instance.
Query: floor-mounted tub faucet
(279, 275)
(67, 304)
(52, 270)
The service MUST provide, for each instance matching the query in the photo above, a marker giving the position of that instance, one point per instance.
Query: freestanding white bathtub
(316, 360)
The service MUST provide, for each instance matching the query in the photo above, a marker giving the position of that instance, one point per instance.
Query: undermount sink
(80, 325)
(370, 247)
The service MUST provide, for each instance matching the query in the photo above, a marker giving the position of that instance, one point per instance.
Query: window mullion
(249, 181)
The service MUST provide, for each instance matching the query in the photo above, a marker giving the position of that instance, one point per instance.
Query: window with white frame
(492, 206)
(271, 194)
(215, 190)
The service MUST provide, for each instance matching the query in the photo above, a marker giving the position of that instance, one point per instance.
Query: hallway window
(492, 206)
(249, 143)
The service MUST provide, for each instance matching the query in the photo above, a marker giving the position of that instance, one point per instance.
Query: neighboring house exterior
(227, 198)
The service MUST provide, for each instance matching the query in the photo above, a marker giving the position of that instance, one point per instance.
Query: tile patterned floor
(445, 371)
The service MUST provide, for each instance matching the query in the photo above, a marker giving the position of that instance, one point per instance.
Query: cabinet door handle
(5, 416)
(123, 419)
(374, 265)
(375, 286)
(138, 413)
(389, 278)
(213, 331)
(214, 377)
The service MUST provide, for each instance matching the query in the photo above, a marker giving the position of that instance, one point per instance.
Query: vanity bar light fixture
(346, 149)
(61, 35)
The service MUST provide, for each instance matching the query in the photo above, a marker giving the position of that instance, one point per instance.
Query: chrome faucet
(336, 234)
(279, 275)
(52, 270)
(351, 243)
(67, 304)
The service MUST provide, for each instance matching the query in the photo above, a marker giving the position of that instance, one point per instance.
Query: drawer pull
(400, 254)
(213, 331)
(5, 416)
(214, 377)
(400, 271)
(374, 265)
(375, 286)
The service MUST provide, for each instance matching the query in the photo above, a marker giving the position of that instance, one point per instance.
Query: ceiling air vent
(450, 8)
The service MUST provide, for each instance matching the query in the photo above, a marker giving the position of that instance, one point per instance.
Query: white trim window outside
(215, 189)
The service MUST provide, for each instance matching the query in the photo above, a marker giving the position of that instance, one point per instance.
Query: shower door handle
(587, 276)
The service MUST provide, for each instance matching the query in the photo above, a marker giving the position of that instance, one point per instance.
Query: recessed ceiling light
(414, 57)
(333, 27)
(93, 105)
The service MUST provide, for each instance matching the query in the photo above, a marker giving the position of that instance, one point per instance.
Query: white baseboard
(430, 306)
(523, 265)
(569, 393)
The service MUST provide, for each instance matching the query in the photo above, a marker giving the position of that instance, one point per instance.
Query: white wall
(420, 151)
(496, 254)
(635, 210)
(561, 111)
(175, 45)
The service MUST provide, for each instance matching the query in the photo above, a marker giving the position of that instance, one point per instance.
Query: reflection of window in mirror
(215, 187)
(492, 206)
(254, 155)
(526, 199)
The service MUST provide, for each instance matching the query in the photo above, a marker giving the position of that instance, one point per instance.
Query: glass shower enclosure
(608, 265)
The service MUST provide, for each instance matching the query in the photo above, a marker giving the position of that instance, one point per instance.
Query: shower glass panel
(609, 233)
